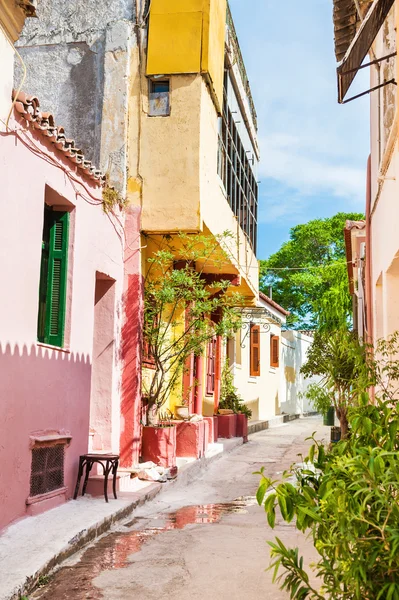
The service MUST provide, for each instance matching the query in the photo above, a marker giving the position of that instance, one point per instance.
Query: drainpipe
(369, 286)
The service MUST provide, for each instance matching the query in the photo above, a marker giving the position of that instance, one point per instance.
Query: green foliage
(346, 499)
(229, 396)
(319, 246)
(182, 311)
(339, 360)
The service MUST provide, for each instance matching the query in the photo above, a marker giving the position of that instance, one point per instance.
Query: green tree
(183, 310)
(346, 498)
(309, 271)
(338, 359)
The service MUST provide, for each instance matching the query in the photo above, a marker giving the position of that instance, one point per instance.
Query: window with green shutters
(53, 277)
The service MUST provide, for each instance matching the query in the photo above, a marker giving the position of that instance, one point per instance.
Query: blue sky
(313, 150)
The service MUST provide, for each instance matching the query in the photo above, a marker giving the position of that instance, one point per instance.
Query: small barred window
(47, 472)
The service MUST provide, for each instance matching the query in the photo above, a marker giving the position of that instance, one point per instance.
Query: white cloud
(289, 162)
(313, 151)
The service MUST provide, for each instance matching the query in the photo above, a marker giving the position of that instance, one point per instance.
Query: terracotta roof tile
(273, 304)
(28, 6)
(28, 108)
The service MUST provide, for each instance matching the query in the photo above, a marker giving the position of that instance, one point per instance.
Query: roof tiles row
(28, 107)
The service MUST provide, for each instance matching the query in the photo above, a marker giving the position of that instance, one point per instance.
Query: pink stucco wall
(48, 390)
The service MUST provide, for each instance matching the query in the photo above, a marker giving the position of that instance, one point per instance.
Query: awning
(361, 44)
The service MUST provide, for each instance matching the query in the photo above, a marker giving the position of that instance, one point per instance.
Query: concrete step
(255, 426)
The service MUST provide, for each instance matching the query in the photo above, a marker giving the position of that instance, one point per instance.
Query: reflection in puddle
(113, 550)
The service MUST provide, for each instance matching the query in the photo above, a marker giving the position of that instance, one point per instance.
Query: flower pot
(242, 427)
(329, 417)
(159, 445)
(212, 430)
(182, 412)
(191, 439)
(226, 411)
(227, 426)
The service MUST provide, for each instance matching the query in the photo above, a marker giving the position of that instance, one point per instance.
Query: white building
(293, 385)
(255, 357)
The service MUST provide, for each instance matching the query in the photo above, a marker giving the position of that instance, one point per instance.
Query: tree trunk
(152, 415)
(343, 421)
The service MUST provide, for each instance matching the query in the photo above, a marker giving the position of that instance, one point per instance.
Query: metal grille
(47, 472)
(236, 173)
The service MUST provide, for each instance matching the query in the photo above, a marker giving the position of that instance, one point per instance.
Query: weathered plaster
(42, 388)
(77, 57)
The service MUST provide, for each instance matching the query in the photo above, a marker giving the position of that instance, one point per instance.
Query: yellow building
(194, 123)
(165, 109)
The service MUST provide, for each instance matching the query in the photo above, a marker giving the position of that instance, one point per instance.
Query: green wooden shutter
(57, 259)
(41, 321)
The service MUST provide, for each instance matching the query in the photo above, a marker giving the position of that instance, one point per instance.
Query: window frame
(254, 345)
(53, 277)
(154, 97)
(274, 351)
(211, 366)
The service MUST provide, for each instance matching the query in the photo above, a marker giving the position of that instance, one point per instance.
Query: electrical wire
(340, 264)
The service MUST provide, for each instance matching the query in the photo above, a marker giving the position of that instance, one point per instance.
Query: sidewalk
(35, 545)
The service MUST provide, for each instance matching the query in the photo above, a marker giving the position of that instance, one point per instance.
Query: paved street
(204, 540)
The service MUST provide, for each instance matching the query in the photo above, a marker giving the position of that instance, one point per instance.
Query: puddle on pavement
(113, 550)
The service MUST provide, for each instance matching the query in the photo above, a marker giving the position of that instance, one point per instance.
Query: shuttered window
(255, 351)
(274, 351)
(53, 276)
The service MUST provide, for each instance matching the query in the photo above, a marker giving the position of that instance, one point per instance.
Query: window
(254, 369)
(47, 472)
(237, 174)
(210, 366)
(159, 104)
(274, 351)
(53, 277)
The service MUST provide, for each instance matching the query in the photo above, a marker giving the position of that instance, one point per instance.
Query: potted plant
(233, 414)
(179, 300)
(339, 360)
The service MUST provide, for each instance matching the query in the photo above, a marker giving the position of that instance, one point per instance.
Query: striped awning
(361, 45)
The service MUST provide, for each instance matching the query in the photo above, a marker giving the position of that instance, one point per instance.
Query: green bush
(347, 499)
(229, 396)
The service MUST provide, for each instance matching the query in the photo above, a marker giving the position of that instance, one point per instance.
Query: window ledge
(57, 437)
(47, 496)
(50, 347)
(253, 379)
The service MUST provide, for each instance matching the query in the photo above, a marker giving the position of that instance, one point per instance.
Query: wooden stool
(109, 463)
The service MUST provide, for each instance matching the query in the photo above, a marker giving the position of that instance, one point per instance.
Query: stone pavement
(34, 545)
(202, 540)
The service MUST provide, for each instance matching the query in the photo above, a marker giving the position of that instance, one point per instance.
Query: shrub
(347, 499)
(229, 396)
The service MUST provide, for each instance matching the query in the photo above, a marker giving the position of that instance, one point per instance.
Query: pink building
(68, 339)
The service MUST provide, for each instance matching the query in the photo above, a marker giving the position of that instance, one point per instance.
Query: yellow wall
(169, 168)
(188, 36)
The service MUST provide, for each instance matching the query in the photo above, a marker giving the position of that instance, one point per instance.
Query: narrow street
(204, 540)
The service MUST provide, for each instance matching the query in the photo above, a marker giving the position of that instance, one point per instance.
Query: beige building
(366, 35)
(255, 357)
(166, 110)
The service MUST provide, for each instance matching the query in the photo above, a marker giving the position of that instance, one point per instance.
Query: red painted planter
(159, 445)
(191, 439)
(242, 427)
(227, 426)
(213, 429)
